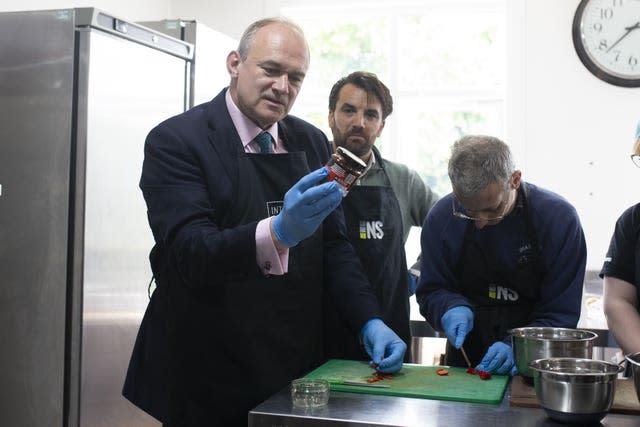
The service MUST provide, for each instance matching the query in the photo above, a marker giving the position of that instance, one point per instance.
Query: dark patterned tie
(264, 141)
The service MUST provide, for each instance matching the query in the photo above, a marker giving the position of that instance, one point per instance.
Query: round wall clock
(606, 35)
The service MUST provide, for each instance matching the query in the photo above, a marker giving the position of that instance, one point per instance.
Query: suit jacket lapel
(292, 142)
(223, 136)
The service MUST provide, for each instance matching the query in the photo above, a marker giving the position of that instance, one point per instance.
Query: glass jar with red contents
(345, 168)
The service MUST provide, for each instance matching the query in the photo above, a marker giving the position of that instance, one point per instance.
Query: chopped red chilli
(484, 375)
(379, 376)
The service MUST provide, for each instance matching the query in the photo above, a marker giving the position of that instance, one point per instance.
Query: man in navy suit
(249, 235)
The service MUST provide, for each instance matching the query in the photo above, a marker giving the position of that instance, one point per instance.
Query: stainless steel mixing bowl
(544, 342)
(572, 390)
(634, 360)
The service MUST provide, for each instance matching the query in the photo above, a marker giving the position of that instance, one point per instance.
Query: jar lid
(354, 161)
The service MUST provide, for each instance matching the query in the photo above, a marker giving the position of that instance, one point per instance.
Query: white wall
(578, 129)
(136, 10)
(227, 16)
(571, 132)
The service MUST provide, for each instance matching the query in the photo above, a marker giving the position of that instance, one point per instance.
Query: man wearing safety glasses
(497, 253)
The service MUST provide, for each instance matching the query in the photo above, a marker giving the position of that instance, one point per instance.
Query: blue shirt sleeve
(441, 243)
(564, 251)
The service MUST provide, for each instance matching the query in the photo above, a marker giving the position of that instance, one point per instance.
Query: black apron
(246, 338)
(374, 228)
(502, 299)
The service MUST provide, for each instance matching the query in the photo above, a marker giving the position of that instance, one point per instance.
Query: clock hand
(629, 29)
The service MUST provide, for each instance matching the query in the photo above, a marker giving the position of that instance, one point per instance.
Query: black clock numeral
(616, 3)
(603, 44)
(597, 26)
(617, 55)
(633, 61)
(606, 13)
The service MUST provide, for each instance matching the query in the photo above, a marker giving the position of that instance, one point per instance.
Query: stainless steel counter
(353, 409)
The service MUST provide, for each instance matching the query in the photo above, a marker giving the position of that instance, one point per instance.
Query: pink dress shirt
(267, 257)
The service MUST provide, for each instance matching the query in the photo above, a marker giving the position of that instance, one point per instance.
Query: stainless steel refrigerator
(211, 47)
(79, 91)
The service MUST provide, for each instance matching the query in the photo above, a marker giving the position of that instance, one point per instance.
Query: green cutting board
(415, 381)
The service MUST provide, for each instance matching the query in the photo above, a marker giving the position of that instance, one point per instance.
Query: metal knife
(363, 384)
(466, 358)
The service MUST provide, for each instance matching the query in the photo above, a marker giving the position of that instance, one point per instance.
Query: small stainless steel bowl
(534, 343)
(634, 360)
(572, 390)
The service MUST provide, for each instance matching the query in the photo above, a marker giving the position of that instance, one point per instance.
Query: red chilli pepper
(484, 375)
(442, 372)
(379, 376)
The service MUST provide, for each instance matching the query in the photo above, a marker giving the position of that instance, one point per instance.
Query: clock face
(606, 35)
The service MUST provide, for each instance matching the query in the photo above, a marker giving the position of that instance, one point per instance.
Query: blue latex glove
(457, 322)
(306, 205)
(499, 360)
(383, 345)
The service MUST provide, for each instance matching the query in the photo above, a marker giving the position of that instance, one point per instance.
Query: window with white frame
(444, 62)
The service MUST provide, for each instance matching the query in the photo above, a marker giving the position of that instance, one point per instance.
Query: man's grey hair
(249, 35)
(477, 161)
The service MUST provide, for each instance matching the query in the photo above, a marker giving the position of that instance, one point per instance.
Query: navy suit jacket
(189, 181)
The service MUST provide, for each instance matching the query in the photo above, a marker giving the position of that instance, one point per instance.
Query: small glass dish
(309, 392)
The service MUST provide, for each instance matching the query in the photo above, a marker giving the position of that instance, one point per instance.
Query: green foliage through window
(444, 63)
